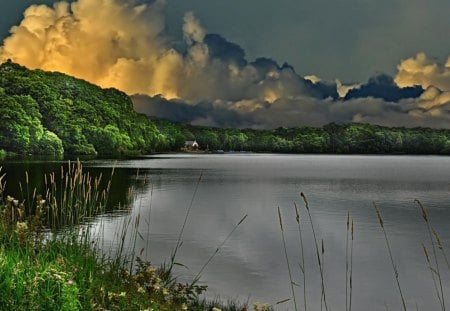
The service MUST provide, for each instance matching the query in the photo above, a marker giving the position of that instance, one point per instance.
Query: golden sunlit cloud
(117, 44)
(423, 71)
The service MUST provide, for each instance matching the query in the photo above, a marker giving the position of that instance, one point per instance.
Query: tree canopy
(52, 113)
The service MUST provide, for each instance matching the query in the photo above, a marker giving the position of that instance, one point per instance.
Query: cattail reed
(433, 247)
(287, 258)
(302, 266)
(394, 267)
(76, 197)
(317, 251)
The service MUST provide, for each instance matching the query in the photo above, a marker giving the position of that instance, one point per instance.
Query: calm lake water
(251, 265)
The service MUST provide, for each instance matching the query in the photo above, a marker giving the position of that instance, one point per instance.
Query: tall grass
(319, 261)
(291, 281)
(391, 257)
(302, 249)
(180, 235)
(216, 251)
(436, 270)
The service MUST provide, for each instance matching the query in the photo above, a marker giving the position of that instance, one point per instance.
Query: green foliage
(40, 110)
(50, 144)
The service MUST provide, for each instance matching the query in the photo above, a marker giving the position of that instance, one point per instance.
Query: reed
(319, 261)
(349, 238)
(347, 261)
(76, 197)
(287, 258)
(180, 235)
(441, 247)
(433, 247)
(197, 276)
(432, 271)
(302, 266)
(394, 267)
(351, 266)
(148, 221)
(323, 269)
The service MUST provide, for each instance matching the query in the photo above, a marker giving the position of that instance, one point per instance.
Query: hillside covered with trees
(52, 114)
(55, 114)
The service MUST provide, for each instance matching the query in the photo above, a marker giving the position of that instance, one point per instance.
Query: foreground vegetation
(54, 114)
(49, 262)
(50, 259)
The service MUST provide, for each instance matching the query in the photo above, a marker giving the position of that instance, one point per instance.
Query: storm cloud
(205, 79)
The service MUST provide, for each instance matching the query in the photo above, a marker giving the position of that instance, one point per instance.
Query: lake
(252, 265)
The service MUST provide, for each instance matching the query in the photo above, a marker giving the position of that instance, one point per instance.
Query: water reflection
(18, 172)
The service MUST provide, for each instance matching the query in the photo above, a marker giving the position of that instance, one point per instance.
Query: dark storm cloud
(430, 110)
(200, 114)
(384, 87)
(225, 50)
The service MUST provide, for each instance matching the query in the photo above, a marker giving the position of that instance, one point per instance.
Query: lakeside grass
(50, 261)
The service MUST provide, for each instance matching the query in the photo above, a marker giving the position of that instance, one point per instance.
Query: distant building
(191, 145)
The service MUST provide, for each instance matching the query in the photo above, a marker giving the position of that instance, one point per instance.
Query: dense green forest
(55, 114)
(52, 113)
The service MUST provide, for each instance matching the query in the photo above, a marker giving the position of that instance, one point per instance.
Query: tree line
(55, 114)
(352, 138)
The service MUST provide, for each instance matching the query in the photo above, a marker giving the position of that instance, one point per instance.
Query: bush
(50, 144)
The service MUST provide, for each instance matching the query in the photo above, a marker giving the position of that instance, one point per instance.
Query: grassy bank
(50, 261)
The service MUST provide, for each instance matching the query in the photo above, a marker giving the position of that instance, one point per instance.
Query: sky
(258, 64)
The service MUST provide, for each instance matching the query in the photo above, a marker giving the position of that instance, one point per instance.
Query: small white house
(191, 145)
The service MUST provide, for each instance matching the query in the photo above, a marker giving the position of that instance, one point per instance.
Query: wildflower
(150, 270)
(9, 199)
(21, 227)
(75, 269)
(165, 291)
(122, 294)
(41, 202)
(70, 282)
(260, 306)
(15, 202)
(184, 306)
(141, 290)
